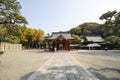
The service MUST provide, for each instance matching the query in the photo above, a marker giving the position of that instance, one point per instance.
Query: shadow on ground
(74, 72)
(25, 77)
(98, 73)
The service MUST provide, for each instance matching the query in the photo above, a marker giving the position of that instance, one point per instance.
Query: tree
(76, 31)
(11, 20)
(77, 40)
(86, 32)
(114, 40)
(111, 27)
(23, 37)
(29, 35)
(3, 32)
(112, 23)
(89, 28)
(12, 39)
(38, 37)
(108, 15)
(117, 24)
(10, 12)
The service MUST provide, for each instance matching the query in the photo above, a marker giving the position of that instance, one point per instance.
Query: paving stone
(62, 66)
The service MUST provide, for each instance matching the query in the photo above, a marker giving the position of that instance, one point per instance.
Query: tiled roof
(65, 35)
(94, 38)
(93, 45)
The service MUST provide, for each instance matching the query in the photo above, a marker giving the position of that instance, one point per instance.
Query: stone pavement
(62, 66)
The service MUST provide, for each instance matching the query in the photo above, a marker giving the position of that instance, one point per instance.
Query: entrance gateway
(60, 40)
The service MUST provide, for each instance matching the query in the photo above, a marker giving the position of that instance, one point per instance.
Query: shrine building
(60, 41)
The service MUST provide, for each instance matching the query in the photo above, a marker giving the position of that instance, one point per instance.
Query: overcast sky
(62, 15)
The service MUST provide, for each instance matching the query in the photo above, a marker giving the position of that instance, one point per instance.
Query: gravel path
(103, 64)
(19, 65)
(62, 66)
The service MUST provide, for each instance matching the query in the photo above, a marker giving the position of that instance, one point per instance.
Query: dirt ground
(104, 67)
(15, 65)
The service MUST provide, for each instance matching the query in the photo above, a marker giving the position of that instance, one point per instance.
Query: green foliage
(34, 37)
(12, 26)
(12, 39)
(111, 27)
(114, 40)
(86, 29)
(77, 40)
(39, 35)
(110, 30)
(76, 31)
(112, 23)
(3, 32)
(108, 15)
(29, 33)
(27, 36)
(10, 13)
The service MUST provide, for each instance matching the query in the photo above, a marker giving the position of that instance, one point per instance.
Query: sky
(62, 15)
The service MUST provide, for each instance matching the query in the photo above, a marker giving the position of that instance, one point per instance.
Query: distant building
(93, 42)
(93, 39)
(59, 40)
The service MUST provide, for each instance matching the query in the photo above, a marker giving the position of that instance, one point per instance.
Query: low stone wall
(8, 46)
